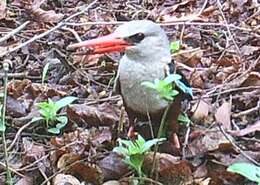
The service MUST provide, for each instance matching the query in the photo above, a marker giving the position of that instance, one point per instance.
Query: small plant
(175, 46)
(49, 113)
(2, 125)
(184, 119)
(44, 72)
(166, 87)
(134, 151)
(250, 171)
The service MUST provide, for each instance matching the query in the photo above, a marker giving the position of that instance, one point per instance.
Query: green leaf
(184, 88)
(175, 46)
(149, 85)
(2, 125)
(36, 119)
(45, 71)
(120, 150)
(54, 130)
(171, 78)
(148, 144)
(63, 119)
(65, 101)
(183, 118)
(63, 122)
(250, 171)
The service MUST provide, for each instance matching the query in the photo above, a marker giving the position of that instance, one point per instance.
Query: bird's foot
(132, 134)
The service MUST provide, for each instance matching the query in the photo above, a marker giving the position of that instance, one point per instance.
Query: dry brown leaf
(248, 50)
(171, 169)
(209, 141)
(200, 110)
(2, 9)
(47, 16)
(113, 166)
(252, 80)
(32, 151)
(223, 115)
(102, 115)
(33, 8)
(249, 129)
(25, 181)
(112, 183)
(171, 19)
(67, 159)
(63, 179)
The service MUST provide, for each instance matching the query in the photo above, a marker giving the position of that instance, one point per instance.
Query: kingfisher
(147, 57)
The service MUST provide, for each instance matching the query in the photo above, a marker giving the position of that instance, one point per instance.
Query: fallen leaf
(112, 183)
(25, 181)
(171, 19)
(248, 50)
(171, 169)
(253, 79)
(200, 110)
(102, 115)
(249, 129)
(223, 115)
(2, 9)
(113, 166)
(32, 151)
(37, 13)
(211, 140)
(63, 179)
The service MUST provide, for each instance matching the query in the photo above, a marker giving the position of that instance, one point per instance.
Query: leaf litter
(219, 55)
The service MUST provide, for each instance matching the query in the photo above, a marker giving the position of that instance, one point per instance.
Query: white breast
(136, 96)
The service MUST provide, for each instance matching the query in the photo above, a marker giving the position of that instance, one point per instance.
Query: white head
(146, 39)
(139, 39)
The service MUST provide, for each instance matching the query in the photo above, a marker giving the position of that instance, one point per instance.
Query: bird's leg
(131, 131)
(173, 114)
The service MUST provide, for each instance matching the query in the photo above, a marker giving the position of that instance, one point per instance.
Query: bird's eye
(136, 38)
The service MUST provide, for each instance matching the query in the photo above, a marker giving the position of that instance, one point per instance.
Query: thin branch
(228, 137)
(216, 24)
(3, 127)
(227, 26)
(59, 25)
(14, 31)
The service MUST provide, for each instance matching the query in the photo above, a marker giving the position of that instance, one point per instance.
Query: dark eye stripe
(136, 38)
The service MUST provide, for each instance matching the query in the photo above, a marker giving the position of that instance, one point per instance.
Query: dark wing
(171, 69)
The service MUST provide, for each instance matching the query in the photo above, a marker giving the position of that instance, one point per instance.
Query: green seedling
(2, 125)
(175, 46)
(49, 113)
(44, 72)
(250, 171)
(134, 151)
(166, 87)
(183, 119)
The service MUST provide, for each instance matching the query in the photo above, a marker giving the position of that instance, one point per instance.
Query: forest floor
(218, 51)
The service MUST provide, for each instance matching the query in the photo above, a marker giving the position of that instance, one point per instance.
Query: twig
(227, 136)
(186, 141)
(8, 172)
(159, 134)
(12, 170)
(249, 111)
(141, 179)
(18, 134)
(76, 35)
(14, 31)
(227, 26)
(59, 25)
(94, 23)
(168, 24)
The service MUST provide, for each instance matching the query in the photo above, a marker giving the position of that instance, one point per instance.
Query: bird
(146, 57)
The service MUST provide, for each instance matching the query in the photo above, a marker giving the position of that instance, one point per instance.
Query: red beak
(105, 44)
